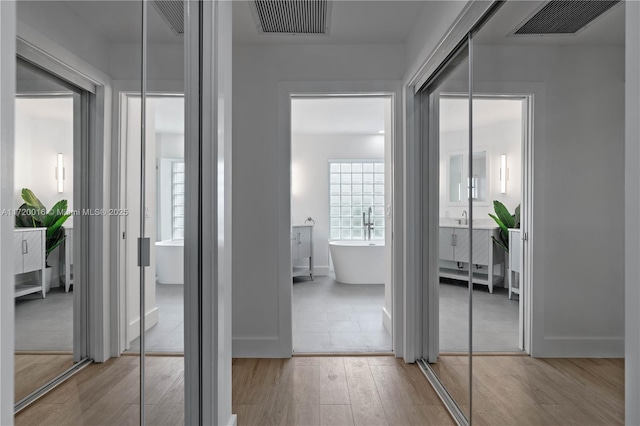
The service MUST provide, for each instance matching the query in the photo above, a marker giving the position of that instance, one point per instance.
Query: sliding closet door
(446, 289)
(549, 92)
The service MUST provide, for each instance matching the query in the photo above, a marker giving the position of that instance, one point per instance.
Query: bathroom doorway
(496, 190)
(164, 216)
(341, 223)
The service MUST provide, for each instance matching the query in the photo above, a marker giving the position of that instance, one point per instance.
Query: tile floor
(168, 334)
(44, 324)
(495, 318)
(331, 317)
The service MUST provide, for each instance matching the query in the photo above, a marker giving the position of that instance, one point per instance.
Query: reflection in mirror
(455, 178)
(44, 291)
(550, 332)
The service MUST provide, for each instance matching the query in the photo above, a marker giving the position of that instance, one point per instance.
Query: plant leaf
(503, 214)
(33, 202)
(517, 217)
(57, 211)
(501, 244)
(52, 229)
(503, 227)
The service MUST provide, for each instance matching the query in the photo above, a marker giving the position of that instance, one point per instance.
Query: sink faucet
(466, 219)
(367, 224)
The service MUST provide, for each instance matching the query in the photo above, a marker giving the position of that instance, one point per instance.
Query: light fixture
(60, 172)
(503, 174)
(381, 132)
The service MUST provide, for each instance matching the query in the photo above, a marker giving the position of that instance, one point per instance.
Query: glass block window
(354, 186)
(177, 200)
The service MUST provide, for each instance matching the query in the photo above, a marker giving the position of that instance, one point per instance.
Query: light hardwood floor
(37, 369)
(511, 390)
(519, 390)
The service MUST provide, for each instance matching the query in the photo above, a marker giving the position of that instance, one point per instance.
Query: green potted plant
(33, 214)
(505, 220)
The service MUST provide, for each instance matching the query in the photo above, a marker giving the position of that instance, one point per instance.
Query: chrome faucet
(367, 224)
(466, 219)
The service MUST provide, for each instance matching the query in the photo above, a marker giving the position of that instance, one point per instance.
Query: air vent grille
(564, 17)
(173, 12)
(292, 16)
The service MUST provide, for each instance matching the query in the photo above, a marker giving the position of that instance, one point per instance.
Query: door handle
(299, 240)
(25, 247)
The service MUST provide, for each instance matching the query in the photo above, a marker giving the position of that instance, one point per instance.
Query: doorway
(341, 202)
(496, 189)
(164, 217)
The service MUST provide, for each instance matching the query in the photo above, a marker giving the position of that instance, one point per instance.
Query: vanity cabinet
(515, 249)
(302, 248)
(454, 255)
(30, 252)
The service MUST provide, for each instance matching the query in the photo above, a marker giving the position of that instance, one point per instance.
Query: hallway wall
(257, 71)
(578, 157)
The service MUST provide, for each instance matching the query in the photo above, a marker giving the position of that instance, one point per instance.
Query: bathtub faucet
(367, 224)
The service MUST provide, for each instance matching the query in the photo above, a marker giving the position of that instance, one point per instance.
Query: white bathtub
(170, 261)
(358, 262)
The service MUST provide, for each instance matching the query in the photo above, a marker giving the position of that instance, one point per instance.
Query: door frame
(282, 345)
(431, 212)
(120, 322)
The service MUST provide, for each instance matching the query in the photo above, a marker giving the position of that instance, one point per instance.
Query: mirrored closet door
(525, 245)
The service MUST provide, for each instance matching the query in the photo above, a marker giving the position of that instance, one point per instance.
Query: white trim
(150, 319)
(7, 142)
(632, 212)
(208, 257)
(386, 320)
(284, 348)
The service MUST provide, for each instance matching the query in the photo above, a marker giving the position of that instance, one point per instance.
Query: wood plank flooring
(511, 390)
(33, 370)
(520, 390)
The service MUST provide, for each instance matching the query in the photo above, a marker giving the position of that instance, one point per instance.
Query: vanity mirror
(479, 182)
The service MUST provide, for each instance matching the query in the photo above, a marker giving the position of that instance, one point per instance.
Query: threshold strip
(45, 389)
(455, 411)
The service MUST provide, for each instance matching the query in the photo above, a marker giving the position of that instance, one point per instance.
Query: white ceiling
(338, 115)
(606, 30)
(454, 112)
(121, 21)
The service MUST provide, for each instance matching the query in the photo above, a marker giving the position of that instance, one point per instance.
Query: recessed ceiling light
(381, 132)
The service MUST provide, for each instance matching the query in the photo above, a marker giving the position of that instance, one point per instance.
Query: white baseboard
(150, 319)
(574, 347)
(259, 347)
(386, 321)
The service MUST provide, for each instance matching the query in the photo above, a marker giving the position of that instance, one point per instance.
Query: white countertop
(446, 222)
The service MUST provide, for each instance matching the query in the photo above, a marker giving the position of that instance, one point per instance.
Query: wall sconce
(60, 172)
(503, 174)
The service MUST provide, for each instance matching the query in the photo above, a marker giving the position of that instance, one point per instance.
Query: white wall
(63, 27)
(432, 24)
(310, 179)
(38, 142)
(257, 71)
(496, 139)
(632, 212)
(578, 152)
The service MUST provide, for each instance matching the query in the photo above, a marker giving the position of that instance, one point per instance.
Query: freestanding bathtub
(170, 261)
(358, 262)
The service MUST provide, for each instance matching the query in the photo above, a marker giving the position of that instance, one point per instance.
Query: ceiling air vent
(299, 17)
(173, 12)
(564, 17)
